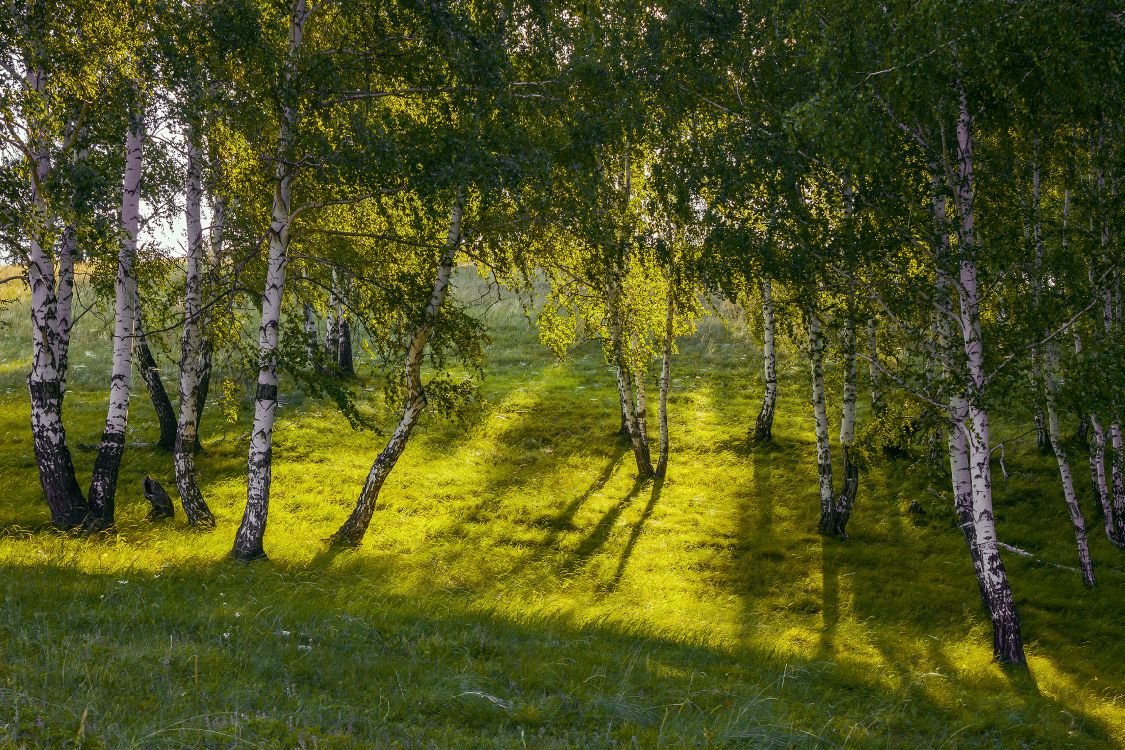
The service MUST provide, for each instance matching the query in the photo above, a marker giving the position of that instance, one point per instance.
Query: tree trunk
(64, 320)
(352, 532)
(248, 541)
(103, 484)
(625, 384)
(959, 459)
(665, 381)
(343, 341)
(312, 335)
(45, 381)
(192, 352)
(1007, 642)
(1117, 474)
(846, 501)
(820, 412)
(1069, 496)
(878, 403)
(150, 373)
(763, 428)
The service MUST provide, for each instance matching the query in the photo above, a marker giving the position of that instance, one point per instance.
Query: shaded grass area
(519, 588)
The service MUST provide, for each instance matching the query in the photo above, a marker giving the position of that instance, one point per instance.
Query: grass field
(518, 589)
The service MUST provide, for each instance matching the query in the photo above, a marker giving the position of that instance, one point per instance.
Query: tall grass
(519, 588)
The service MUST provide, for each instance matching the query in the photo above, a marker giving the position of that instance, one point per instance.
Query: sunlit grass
(518, 587)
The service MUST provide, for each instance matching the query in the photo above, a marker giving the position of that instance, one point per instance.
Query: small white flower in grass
(285, 633)
(238, 614)
(304, 647)
(122, 582)
(226, 635)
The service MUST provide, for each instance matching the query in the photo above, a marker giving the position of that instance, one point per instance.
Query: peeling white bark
(45, 379)
(103, 484)
(248, 542)
(1007, 642)
(191, 350)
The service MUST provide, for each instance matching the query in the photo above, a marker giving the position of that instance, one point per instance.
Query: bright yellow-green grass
(519, 589)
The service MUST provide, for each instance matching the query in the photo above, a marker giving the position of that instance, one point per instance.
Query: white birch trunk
(820, 413)
(846, 500)
(763, 427)
(625, 383)
(353, 530)
(878, 405)
(665, 381)
(64, 318)
(45, 380)
(191, 350)
(103, 484)
(1069, 496)
(248, 541)
(958, 445)
(1007, 641)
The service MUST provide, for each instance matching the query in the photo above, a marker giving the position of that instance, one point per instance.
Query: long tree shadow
(597, 538)
(635, 534)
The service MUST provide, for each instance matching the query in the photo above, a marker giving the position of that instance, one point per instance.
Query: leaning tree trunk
(1098, 481)
(763, 428)
(1069, 495)
(150, 373)
(820, 412)
(625, 384)
(248, 541)
(352, 532)
(103, 484)
(191, 352)
(45, 381)
(1007, 642)
(665, 381)
(846, 500)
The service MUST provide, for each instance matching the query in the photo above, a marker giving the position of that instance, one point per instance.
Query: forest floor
(519, 589)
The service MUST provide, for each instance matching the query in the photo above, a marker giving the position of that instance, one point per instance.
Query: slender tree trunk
(665, 381)
(215, 260)
(820, 413)
(1007, 642)
(103, 484)
(763, 428)
(312, 335)
(248, 541)
(640, 393)
(959, 458)
(343, 340)
(878, 404)
(353, 530)
(45, 382)
(191, 352)
(625, 384)
(846, 501)
(1117, 474)
(68, 249)
(1069, 495)
(150, 373)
